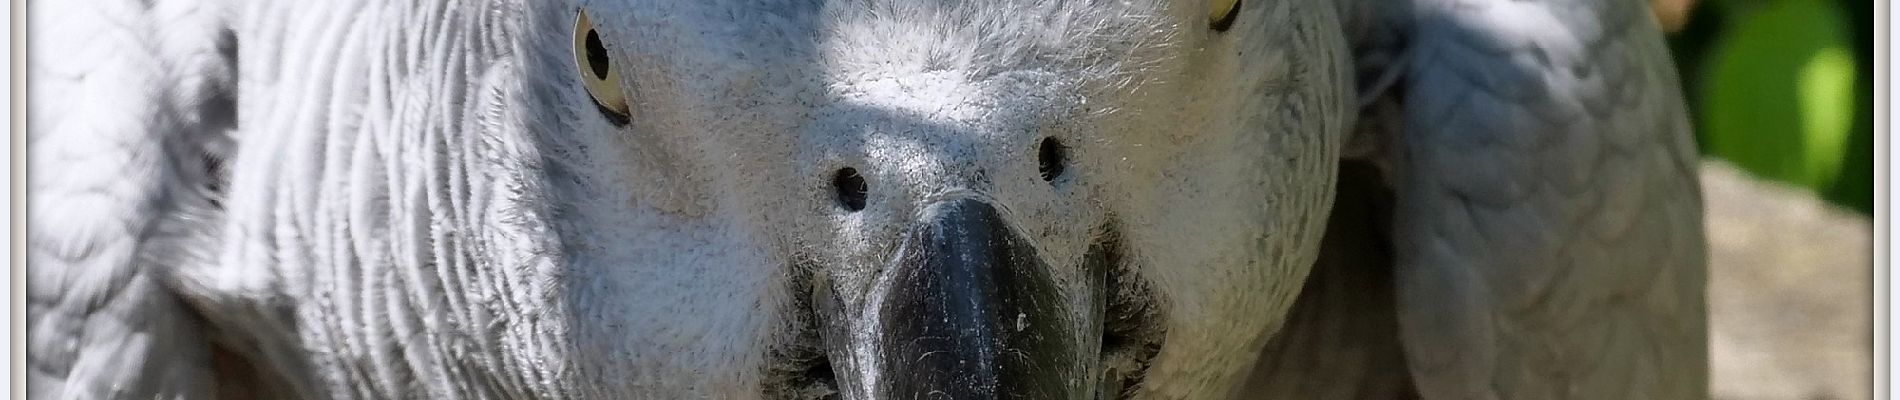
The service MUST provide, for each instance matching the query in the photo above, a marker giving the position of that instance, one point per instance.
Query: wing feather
(123, 93)
(1548, 226)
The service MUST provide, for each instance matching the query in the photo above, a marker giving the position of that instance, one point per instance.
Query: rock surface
(1790, 292)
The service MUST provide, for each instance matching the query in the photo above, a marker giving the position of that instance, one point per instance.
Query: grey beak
(972, 313)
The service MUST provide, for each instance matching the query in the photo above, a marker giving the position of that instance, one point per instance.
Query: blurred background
(1782, 89)
(1782, 96)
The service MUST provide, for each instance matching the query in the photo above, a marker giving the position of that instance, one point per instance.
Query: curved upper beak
(968, 310)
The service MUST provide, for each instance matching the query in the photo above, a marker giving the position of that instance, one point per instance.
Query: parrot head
(899, 199)
(980, 199)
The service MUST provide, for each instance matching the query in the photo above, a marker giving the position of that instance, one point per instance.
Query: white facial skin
(550, 252)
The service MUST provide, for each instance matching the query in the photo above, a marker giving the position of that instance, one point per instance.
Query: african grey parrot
(889, 199)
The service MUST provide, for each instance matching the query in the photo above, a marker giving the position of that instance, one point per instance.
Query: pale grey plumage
(1549, 226)
(1545, 221)
(423, 202)
(127, 97)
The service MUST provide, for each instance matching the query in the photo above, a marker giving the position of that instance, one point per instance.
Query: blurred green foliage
(1783, 88)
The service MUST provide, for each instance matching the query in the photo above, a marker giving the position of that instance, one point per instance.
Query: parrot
(860, 199)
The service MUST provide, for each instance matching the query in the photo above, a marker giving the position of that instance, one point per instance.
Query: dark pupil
(596, 55)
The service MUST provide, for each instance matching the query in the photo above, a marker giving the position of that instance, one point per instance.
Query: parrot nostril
(851, 188)
(1053, 158)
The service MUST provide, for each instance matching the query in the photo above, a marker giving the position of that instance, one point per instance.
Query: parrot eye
(597, 70)
(1221, 14)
